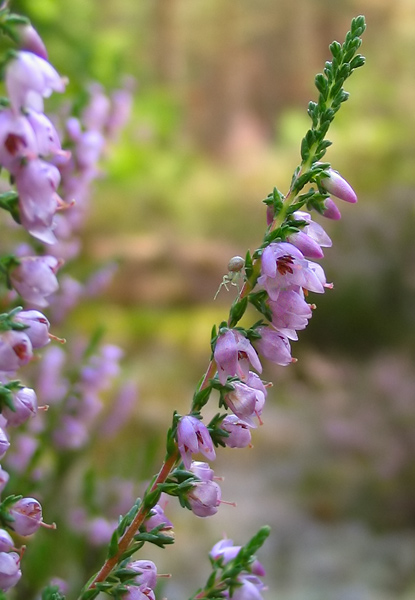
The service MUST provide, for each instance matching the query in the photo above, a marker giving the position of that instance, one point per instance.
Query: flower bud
(6, 541)
(339, 187)
(29, 39)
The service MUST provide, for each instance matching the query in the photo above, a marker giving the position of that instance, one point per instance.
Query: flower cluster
(52, 180)
(285, 275)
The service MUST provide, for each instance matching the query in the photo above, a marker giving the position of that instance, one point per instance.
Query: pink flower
(239, 432)
(202, 470)
(204, 498)
(35, 278)
(25, 405)
(36, 182)
(10, 572)
(284, 266)
(27, 515)
(274, 346)
(147, 573)
(290, 312)
(17, 140)
(193, 436)
(29, 79)
(37, 327)
(233, 354)
(15, 350)
(246, 401)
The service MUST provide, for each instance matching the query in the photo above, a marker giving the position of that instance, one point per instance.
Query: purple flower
(95, 115)
(121, 105)
(147, 573)
(202, 470)
(339, 187)
(25, 404)
(137, 593)
(15, 350)
(284, 266)
(290, 311)
(48, 142)
(249, 588)
(36, 183)
(27, 515)
(233, 353)
(71, 433)
(274, 346)
(157, 518)
(239, 432)
(4, 478)
(245, 401)
(193, 436)
(10, 572)
(226, 550)
(6, 541)
(4, 443)
(204, 498)
(35, 278)
(17, 140)
(37, 327)
(29, 39)
(29, 79)
(99, 531)
(24, 447)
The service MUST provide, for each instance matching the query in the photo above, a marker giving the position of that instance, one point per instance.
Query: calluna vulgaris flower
(233, 354)
(193, 436)
(27, 515)
(10, 572)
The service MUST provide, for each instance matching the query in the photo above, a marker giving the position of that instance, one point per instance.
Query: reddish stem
(132, 529)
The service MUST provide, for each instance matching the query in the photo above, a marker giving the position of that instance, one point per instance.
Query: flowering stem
(132, 529)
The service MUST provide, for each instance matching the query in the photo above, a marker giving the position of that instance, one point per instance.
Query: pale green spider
(234, 274)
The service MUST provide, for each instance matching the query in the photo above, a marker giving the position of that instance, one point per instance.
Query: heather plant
(51, 167)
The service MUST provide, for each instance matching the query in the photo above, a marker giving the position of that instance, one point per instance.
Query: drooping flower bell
(233, 354)
(192, 437)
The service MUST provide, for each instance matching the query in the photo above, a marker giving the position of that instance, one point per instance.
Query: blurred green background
(219, 113)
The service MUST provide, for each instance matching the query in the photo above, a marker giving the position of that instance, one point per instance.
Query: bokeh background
(219, 113)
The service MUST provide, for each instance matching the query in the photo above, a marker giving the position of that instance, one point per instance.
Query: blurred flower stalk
(52, 164)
